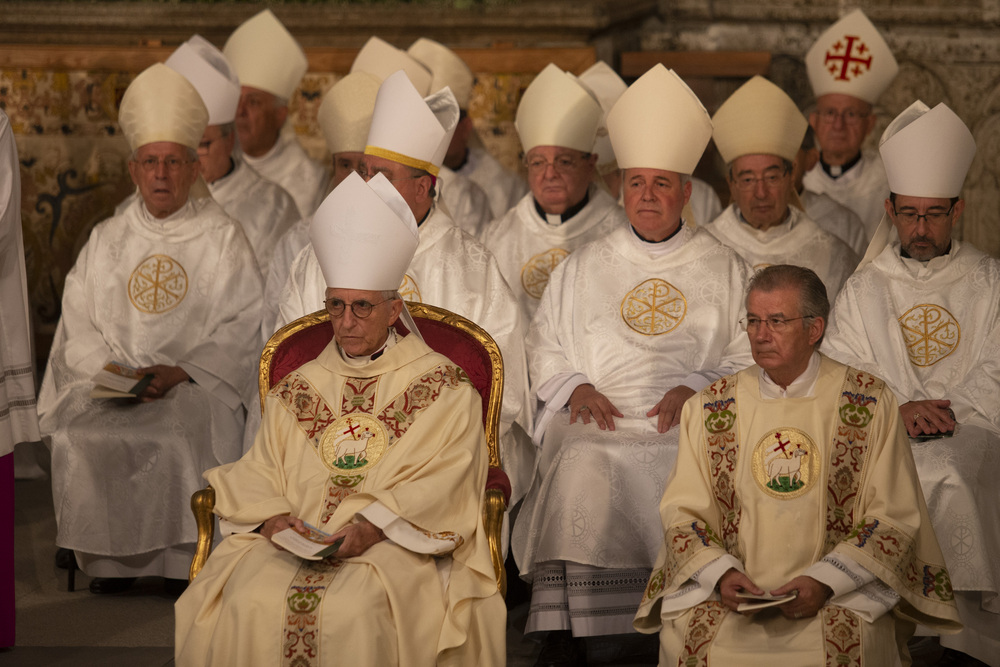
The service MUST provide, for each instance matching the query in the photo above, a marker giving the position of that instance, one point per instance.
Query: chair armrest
(202, 504)
(493, 510)
(497, 479)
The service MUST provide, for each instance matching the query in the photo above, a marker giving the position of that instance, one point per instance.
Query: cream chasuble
(528, 247)
(503, 187)
(464, 201)
(837, 219)
(288, 165)
(863, 188)
(181, 291)
(932, 329)
(426, 595)
(797, 241)
(773, 487)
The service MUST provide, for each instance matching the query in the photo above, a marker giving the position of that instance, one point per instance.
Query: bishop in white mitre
(270, 65)
(628, 328)
(170, 287)
(923, 312)
(849, 68)
(758, 132)
(557, 123)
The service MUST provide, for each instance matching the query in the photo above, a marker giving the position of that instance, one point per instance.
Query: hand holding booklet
(308, 545)
(762, 601)
(116, 380)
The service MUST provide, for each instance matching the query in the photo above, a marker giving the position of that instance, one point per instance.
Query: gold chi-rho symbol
(535, 274)
(931, 333)
(654, 307)
(157, 285)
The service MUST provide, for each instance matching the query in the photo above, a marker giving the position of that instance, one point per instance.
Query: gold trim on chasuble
(654, 307)
(785, 463)
(930, 332)
(841, 637)
(536, 271)
(706, 619)
(408, 289)
(157, 285)
(334, 439)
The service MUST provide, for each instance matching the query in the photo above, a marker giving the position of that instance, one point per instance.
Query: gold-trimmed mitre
(556, 110)
(851, 58)
(208, 70)
(605, 85)
(266, 56)
(446, 68)
(759, 118)
(381, 59)
(345, 114)
(658, 123)
(161, 105)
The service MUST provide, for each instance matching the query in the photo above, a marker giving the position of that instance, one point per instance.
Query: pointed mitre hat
(851, 58)
(927, 152)
(345, 114)
(411, 129)
(556, 110)
(446, 69)
(759, 118)
(364, 235)
(266, 56)
(658, 123)
(208, 70)
(381, 59)
(605, 85)
(161, 105)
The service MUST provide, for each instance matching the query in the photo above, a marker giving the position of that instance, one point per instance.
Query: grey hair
(813, 301)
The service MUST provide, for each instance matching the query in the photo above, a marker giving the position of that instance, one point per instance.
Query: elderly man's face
(841, 123)
(654, 199)
(558, 177)
(214, 152)
(924, 224)
(359, 336)
(343, 164)
(164, 173)
(761, 186)
(415, 191)
(780, 341)
(258, 120)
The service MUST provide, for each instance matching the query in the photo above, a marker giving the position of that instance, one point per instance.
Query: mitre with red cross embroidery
(851, 58)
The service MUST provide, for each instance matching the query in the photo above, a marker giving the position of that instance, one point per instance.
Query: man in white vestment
(170, 287)
(794, 480)
(629, 327)
(849, 68)
(270, 65)
(923, 312)
(379, 441)
(557, 123)
(758, 132)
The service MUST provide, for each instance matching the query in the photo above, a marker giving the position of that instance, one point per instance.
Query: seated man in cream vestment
(170, 286)
(629, 327)
(924, 314)
(378, 441)
(758, 132)
(794, 479)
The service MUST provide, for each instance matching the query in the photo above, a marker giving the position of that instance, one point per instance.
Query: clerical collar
(182, 212)
(836, 171)
(906, 255)
(567, 214)
(801, 387)
(426, 215)
(363, 360)
(645, 240)
(659, 248)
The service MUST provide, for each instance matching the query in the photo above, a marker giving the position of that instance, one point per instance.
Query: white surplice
(464, 201)
(932, 331)
(837, 219)
(503, 187)
(798, 240)
(528, 245)
(635, 320)
(288, 165)
(181, 291)
(863, 188)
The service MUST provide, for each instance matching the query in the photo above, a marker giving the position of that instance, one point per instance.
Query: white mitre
(411, 129)
(161, 105)
(604, 84)
(446, 69)
(205, 66)
(759, 118)
(556, 110)
(658, 123)
(266, 56)
(364, 235)
(381, 59)
(851, 58)
(345, 114)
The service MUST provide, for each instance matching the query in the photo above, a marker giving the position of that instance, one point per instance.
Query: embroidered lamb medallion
(157, 285)
(408, 289)
(354, 443)
(535, 274)
(654, 307)
(785, 463)
(931, 333)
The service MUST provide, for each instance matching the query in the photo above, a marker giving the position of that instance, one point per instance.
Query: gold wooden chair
(459, 339)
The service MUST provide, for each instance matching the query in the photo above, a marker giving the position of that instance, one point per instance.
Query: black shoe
(175, 587)
(65, 558)
(562, 649)
(107, 585)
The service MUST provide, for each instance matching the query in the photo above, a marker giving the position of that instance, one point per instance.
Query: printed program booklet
(310, 545)
(762, 601)
(116, 380)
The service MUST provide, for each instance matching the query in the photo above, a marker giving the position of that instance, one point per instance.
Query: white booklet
(309, 545)
(117, 380)
(762, 601)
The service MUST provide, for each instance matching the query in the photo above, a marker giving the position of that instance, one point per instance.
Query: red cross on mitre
(851, 61)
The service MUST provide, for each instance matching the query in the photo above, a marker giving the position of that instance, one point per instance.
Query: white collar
(801, 387)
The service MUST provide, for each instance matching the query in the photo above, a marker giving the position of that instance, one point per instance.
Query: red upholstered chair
(459, 339)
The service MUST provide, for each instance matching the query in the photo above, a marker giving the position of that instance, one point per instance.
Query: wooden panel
(698, 64)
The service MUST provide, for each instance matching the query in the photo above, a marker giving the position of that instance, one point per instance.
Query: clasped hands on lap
(589, 404)
(810, 598)
(927, 417)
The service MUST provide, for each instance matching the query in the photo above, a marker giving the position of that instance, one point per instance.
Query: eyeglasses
(932, 217)
(361, 308)
(172, 163)
(849, 116)
(770, 179)
(563, 164)
(773, 324)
